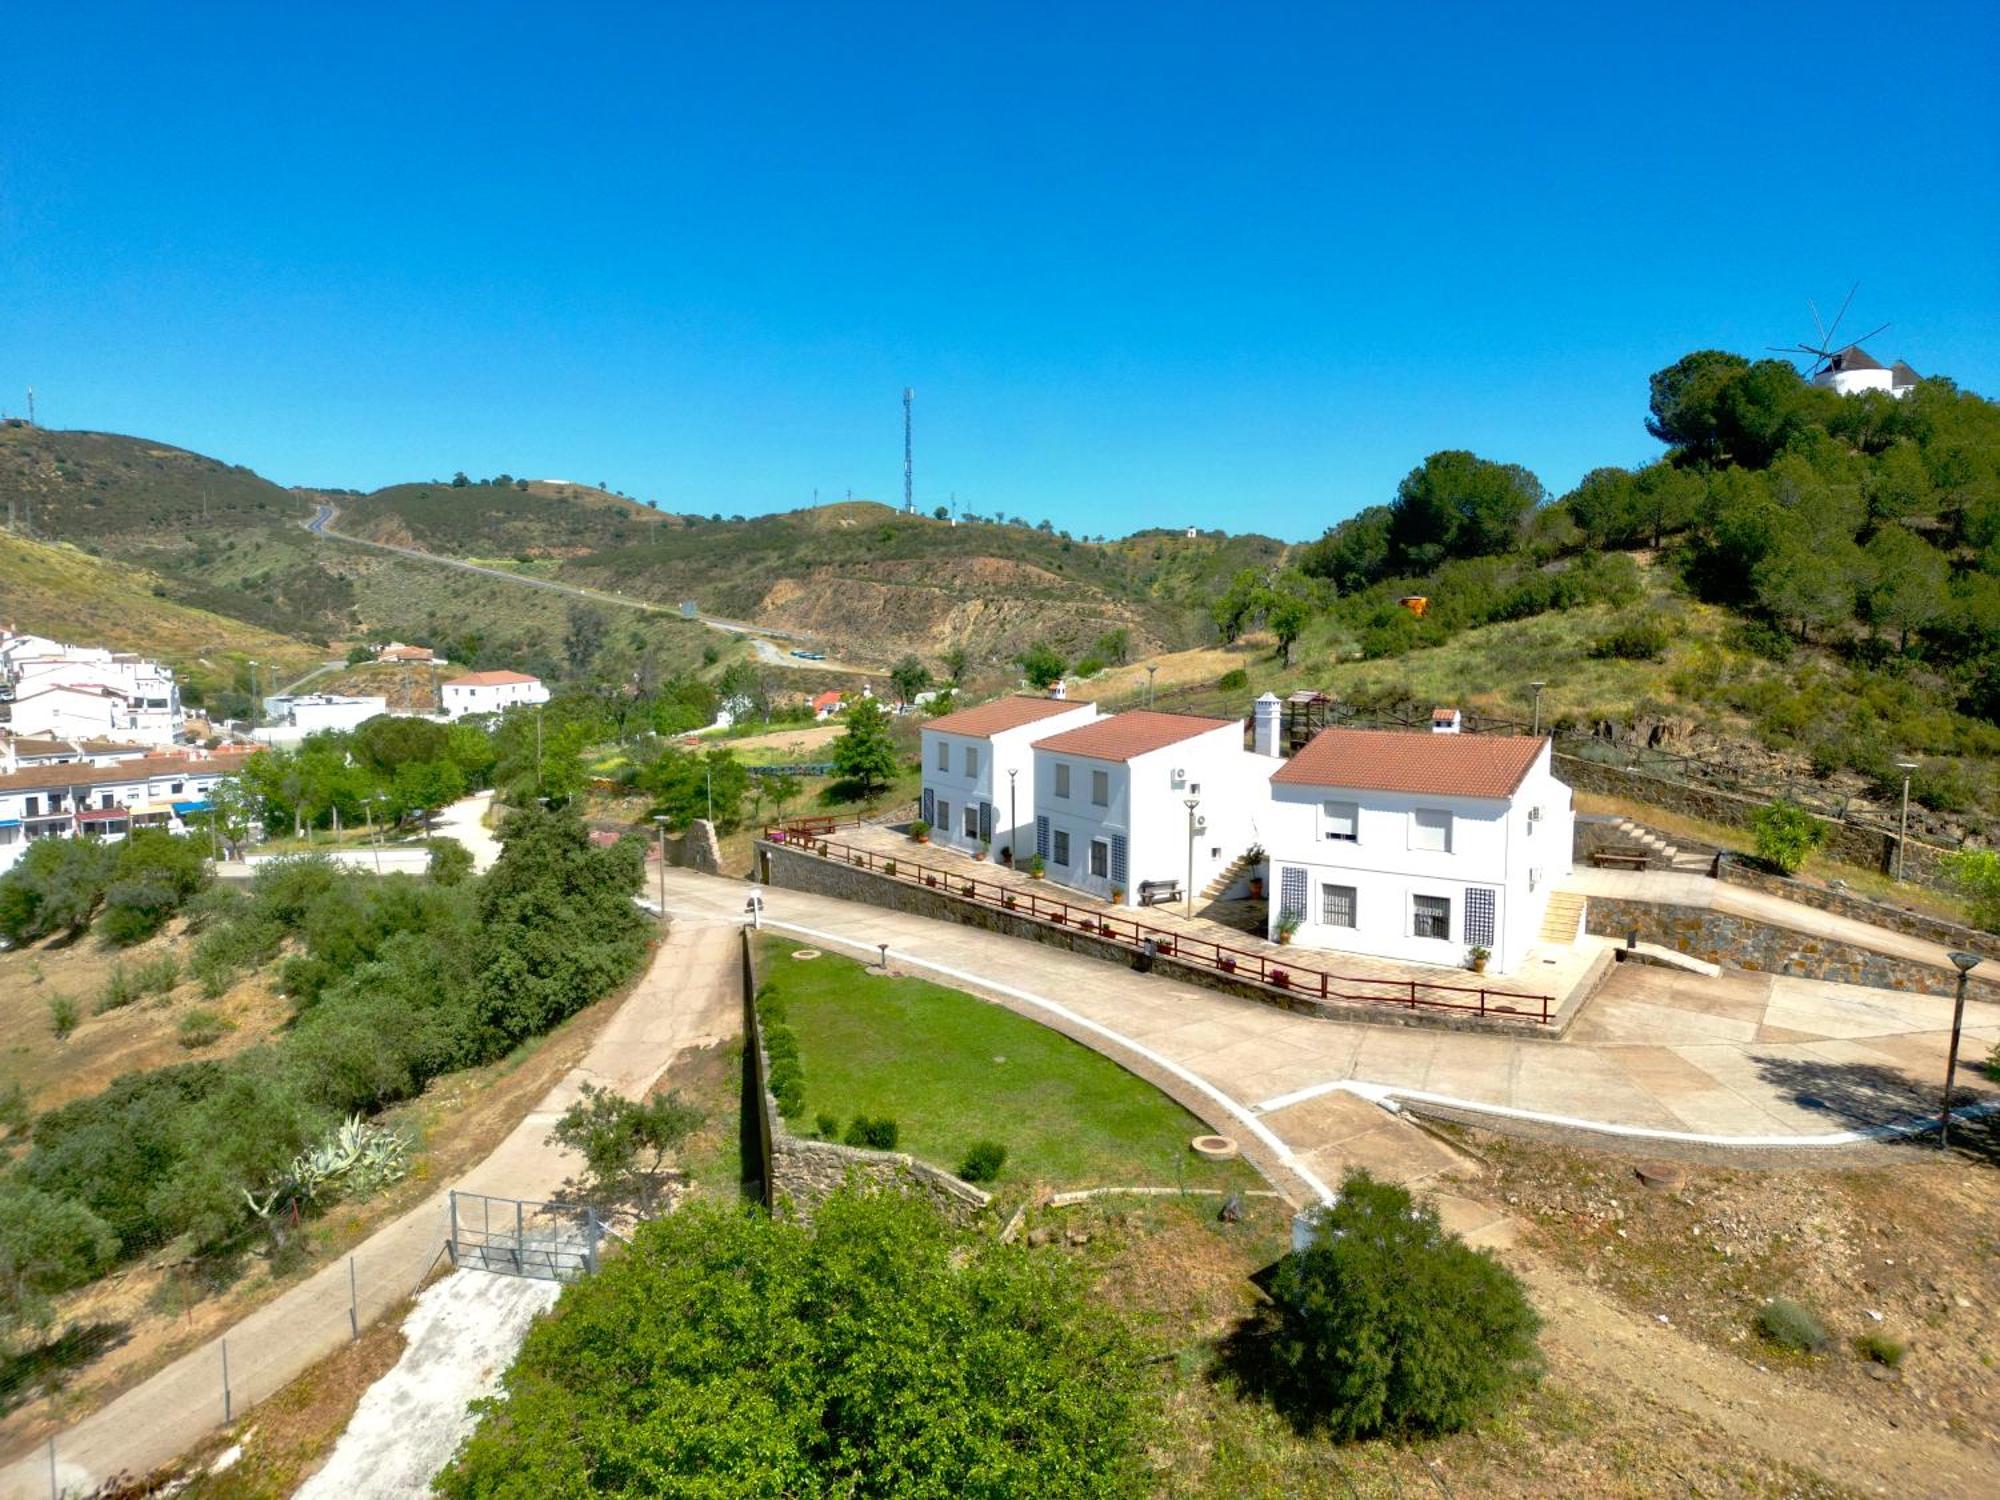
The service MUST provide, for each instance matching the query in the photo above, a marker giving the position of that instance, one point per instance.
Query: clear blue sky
(1243, 265)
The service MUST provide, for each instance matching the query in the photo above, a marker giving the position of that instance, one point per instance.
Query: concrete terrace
(1558, 971)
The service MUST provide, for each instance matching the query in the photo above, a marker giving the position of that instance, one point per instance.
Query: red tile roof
(81, 773)
(827, 699)
(1129, 735)
(490, 679)
(984, 720)
(1402, 760)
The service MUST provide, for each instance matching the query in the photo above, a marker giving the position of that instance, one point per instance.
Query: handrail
(1223, 958)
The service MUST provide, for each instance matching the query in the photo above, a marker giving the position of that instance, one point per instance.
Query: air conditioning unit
(1179, 775)
(1534, 815)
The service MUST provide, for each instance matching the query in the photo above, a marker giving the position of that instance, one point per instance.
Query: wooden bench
(1619, 859)
(1158, 892)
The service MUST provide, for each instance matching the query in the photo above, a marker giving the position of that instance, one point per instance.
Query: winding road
(762, 638)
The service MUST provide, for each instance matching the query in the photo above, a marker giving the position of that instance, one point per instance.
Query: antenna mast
(909, 492)
(31, 406)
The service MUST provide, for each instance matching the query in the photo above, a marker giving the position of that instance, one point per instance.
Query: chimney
(1444, 721)
(10, 758)
(1060, 691)
(1264, 725)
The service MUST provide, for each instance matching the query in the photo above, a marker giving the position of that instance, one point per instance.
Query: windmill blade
(1816, 322)
(1828, 340)
(1868, 335)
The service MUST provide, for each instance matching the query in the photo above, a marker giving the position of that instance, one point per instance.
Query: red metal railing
(1278, 972)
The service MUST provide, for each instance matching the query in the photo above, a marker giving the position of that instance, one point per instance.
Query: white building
(18, 753)
(1853, 370)
(1112, 802)
(490, 693)
(80, 800)
(1416, 846)
(48, 688)
(979, 779)
(292, 719)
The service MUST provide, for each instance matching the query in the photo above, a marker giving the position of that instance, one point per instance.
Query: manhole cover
(1663, 1175)
(1214, 1147)
(805, 953)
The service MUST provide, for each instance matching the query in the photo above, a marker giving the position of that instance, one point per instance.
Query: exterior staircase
(1230, 873)
(1658, 849)
(1563, 919)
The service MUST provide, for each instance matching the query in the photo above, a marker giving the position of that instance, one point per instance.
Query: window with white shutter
(944, 756)
(1342, 821)
(971, 760)
(1062, 778)
(1100, 788)
(1430, 830)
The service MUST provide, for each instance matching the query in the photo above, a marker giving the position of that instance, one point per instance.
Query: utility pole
(909, 473)
(1903, 828)
(31, 406)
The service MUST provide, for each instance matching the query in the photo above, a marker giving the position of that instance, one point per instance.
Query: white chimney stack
(1444, 721)
(1264, 725)
(1060, 690)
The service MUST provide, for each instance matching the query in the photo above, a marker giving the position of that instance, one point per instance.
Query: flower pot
(1284, 937)
(1479, 966)
(1281, 979)
(1226, 964)
(1256, 887)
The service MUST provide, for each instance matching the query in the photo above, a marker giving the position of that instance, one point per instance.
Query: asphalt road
(761, 637)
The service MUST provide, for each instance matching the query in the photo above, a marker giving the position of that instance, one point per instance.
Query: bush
(1784, 834)
(828, 1126)
(202, 1027)
(1637, 640)
(1791, 1326)
(1975, 875)
(450, 861)
(64, 1013)
(983, 1162)
(1387, 1324)
(625, 1143)
(874, 1134)
(157, 975)
(875, 1352)
(919, 829)
(119, 991)
(1881, 1348)
(1233, 681)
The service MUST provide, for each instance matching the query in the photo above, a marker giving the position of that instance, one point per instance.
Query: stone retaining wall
(1855, 843)
(793, 1175)
(795, 869)
(1745, 943)
(1875, 913)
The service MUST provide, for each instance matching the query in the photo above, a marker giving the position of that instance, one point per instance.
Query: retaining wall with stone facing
(1855, 843)
(796, 869)
(1876, 913)
(795, 1175)
(1745, 943)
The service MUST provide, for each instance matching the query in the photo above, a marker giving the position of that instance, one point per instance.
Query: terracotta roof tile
(490, 679)
(1129, 735)
(79, 773)
(1401, 760)
(984, 720)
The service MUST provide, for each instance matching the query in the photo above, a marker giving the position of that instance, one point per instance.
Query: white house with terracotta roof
(79, 800)
(1415, 845)
(1111, 803)
(402, 654)
(490, 693)
(979, 781)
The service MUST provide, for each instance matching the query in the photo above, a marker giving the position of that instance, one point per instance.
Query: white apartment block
(55, 690)
(979, 778)
(76, 799)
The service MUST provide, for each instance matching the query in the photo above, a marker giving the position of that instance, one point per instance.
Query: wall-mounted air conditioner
(1179, 775)
(1534, 815)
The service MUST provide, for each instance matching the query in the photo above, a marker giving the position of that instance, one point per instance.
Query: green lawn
(952, 1070)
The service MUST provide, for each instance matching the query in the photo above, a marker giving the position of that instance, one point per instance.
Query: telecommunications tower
(909, 492)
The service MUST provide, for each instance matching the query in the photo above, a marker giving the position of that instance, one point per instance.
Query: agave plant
(356, 1157)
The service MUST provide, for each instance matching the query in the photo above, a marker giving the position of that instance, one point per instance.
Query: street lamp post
(253, 693)
(709, 771)
(1013, 818)
(1151, 668)
(368, 810)
(1538, 686)
(661, 820)
(1192, 804)
(1965, 962)
(1903, 828)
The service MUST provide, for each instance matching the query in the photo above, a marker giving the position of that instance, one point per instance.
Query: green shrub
(1791, 1326)
(202, 1027)
(1881, 1348)
(158, 975)
(450, 861)
(983, 1161)
(875, 1134)
(888, 1354)
(827, 1125)
(1784, 834)
(64, 1013)
(1233, 681)
(15, 1115)
(1388, 1324)
(1975, 875)
(1637, 640)
(119, 990)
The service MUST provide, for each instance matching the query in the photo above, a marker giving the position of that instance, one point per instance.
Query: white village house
(76, 799)
(979, 780)
(490, 693)
(1416, 846)
(293, 718)
(48, 688)
(1853, 370)
(1112, 803)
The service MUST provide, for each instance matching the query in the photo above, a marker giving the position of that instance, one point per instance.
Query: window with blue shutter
(1118, 859)
(1042, 837)
(1292, 893)
(930, 807)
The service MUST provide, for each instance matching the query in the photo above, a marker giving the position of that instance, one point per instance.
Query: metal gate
(520, 1237)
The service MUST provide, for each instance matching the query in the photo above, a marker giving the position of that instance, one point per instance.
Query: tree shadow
(1864, 1096)
(25, 1373)
(1247, 1365)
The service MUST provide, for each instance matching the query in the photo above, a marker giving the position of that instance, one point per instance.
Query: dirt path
(1593, 1337)
(689, 997)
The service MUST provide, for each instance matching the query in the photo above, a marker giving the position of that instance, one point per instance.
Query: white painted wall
(463, 699)
(949, 783)
(1516, 848)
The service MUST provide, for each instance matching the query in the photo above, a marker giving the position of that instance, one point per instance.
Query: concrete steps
(1658, 848)
(1564, 918)
(1231, 873)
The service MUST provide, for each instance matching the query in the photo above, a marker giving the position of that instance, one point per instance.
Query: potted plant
(931, 881)
(1118, 895)
(1255, 857)
(1475, 958)
(888, 867)
(967, 888)
(985, 847)
(1007, 855)
(920, 831)
(1008, 900)
(1226, 964)
(1288, 923)
(1281, 979)
(1035, 868)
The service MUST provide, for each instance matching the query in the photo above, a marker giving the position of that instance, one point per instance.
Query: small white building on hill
(490, 693)
(1853, 370)
(979, 778)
